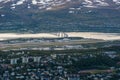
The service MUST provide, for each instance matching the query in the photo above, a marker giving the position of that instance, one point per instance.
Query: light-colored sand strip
(5, 36)
(92, 35)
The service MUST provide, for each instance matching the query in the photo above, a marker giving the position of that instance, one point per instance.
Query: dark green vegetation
(93, 20)
(82, 59)
(98, 60)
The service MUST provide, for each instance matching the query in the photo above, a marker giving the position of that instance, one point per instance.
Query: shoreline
(90, 35)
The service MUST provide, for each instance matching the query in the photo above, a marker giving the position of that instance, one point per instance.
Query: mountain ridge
(56, 4)
(59, 15)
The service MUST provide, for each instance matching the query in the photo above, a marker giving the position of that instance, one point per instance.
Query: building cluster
(36, 68)
(51, 67)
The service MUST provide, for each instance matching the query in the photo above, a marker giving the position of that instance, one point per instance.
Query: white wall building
(36, 59)
(13, 61)
(25, 59)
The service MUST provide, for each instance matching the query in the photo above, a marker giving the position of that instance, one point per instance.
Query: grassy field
(48, 44)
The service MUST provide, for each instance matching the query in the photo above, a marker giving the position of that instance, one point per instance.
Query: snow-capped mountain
(59, 15)
(57, 4)
(40, 4)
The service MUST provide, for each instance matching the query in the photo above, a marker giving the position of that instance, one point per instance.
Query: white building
(36, 59)
(25, 59)
(13, 61)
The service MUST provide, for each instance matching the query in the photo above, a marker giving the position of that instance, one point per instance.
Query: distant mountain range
(57, 4)
(59, 15)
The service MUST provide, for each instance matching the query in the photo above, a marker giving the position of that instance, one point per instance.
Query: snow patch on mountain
(5, 1)
(49, 4)
(117, 2)
(94, 3)
(20, 2)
